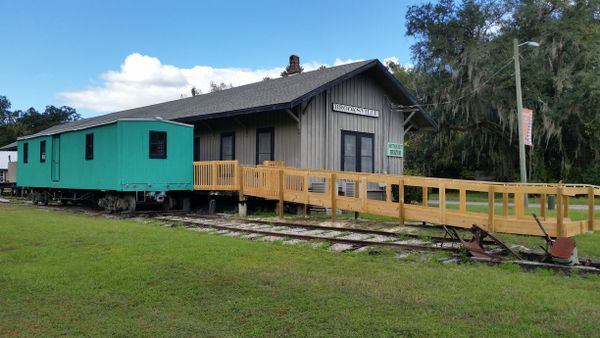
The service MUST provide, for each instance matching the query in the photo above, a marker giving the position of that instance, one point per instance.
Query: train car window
(158, 144)
(89, 146)
(228, 146)
(42, 151)
(25, 152)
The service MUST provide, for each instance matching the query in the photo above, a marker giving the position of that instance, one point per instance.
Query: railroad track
(357, 230)
(341, 239)
(350, 239)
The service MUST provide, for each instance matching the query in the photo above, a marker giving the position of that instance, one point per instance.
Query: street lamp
(520, 108)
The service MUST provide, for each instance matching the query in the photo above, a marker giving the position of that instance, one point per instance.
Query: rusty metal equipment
(475, 246)
(562, 250)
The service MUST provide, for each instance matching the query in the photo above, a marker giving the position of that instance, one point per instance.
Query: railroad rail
(327, 234)
(387, 195)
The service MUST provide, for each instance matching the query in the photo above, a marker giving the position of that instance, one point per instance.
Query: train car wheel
(186, 204)
(169, 203)
(131, 203)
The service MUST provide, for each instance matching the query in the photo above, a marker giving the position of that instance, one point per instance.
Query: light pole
(520, 109)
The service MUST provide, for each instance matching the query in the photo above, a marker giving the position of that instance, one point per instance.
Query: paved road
(571, 206)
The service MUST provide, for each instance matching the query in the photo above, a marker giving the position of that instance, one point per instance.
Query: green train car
(121, 164)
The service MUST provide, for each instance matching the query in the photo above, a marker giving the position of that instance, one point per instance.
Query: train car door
(55, 158)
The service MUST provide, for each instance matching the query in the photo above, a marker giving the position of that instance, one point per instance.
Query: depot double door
(357, 153)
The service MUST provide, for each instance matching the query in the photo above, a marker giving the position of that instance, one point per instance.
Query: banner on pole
(528, 126)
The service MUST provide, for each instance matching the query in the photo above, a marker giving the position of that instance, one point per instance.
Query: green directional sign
(395, 149)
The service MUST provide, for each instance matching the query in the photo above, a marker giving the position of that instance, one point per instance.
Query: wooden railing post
(214, 176)
(491, 209)
(442, 201)
(280, 204)
(388, 192)
(543, 206)
(240, 178)
(357, 196)
(333, 191)
(401, 201)
(425, 196)
(566, 206)
(519, 204)
(591, 207)
(559, 211)
(305, 193)
(462, 200)
(505, 204)
(195, 175)
(363, 193)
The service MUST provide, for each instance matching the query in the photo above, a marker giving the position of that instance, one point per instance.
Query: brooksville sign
(342, 108)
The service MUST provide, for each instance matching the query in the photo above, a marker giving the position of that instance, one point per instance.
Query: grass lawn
(72, 275)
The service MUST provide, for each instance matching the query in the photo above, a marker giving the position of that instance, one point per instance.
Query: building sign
(342, 108)
(395, 150)
(528, 127)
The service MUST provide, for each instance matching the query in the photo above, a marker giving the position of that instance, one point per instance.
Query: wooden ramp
(404, 197)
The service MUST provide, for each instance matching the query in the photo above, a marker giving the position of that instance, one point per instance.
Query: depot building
(352, 117)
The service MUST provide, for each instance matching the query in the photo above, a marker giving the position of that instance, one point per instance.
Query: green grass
(64, 274)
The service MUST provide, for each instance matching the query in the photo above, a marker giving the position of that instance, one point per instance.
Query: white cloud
(144, 80)
(393, 59)
(396, 60)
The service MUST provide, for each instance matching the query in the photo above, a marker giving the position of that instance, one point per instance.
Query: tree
(14, 124)
(218, 87)
(464, 73)
(404, 74)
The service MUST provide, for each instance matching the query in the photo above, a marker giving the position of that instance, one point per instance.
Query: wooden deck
(351, 191)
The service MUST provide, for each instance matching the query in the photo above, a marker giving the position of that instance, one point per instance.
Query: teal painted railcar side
(120, 160)
(71, 169)
(142, 173)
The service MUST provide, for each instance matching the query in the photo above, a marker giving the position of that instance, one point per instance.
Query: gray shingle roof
(279, 93)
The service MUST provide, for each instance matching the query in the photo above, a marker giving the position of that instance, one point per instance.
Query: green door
(55, 158)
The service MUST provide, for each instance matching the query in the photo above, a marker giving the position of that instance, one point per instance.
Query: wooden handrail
(318, 187)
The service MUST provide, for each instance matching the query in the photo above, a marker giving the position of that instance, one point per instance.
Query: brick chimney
(294, 66)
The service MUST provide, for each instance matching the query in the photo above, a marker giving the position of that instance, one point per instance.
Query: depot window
(158, 144)
(228, 146)
(265, 145)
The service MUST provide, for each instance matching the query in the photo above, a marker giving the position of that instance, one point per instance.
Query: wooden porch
(358, 192)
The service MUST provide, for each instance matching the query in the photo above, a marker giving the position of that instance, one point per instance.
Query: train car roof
(49, 131)
(267, 95)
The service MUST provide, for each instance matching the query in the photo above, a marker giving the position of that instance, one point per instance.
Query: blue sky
(100, 56)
